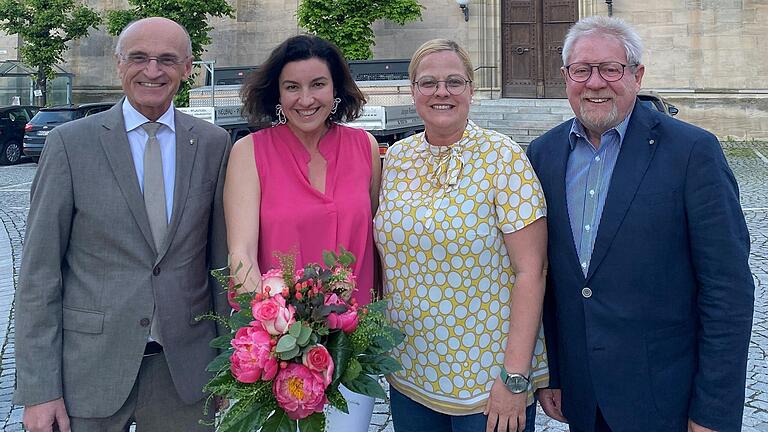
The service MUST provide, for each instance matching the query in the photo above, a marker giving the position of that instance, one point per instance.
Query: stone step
(523, 120)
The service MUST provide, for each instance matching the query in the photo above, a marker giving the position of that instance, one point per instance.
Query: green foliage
(314, 422)
(193, 15)
(336, 399)
(347, 23)
(279, 422)
(366, 385)
(45, 27)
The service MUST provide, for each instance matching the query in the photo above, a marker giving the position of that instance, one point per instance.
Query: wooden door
(558, 17)
(520, 48)
(532, 33)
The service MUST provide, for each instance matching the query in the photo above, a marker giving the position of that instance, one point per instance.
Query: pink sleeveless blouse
(297, 218)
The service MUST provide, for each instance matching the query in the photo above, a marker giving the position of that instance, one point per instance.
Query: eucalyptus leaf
(286, 343)
(304, 335)
(287, 355)
(295, 329)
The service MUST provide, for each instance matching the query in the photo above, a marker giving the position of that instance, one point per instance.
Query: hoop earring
(280, 115)
(335, 106)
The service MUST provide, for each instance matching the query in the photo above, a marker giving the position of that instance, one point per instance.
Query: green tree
(193, 15)
(45, 27)
(347, 23)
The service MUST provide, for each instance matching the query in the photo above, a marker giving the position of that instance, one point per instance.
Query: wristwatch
(515, 382)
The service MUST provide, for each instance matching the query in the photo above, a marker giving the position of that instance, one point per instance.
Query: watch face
(516, 383)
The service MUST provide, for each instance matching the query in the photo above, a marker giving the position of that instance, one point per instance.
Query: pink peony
(299, 391)
(346, 321)
(318, 359)
(273, 314)
(252, 359)
(272, 282)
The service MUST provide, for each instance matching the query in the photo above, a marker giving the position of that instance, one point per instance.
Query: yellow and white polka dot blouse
(439, 229)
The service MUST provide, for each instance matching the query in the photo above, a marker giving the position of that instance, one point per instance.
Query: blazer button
(586, 292)
(156, 270)
(144, 322)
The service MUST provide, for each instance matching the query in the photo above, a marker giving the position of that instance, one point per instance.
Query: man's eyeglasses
(143, 60)
(610, 71)
(428, 86)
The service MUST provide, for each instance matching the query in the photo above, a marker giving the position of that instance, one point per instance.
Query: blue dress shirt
(587, 178)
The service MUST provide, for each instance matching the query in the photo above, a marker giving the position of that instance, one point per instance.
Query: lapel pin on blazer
(192, 141)
(651, 142)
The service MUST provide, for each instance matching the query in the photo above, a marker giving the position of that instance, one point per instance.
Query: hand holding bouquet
(294, 342)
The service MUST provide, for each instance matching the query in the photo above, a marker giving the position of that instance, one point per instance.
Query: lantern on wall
(464, 5)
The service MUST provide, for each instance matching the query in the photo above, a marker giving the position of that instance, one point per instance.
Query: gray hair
(119, 45)
(605, 26)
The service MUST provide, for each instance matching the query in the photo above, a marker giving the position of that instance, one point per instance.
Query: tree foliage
(45, 27)
(193, 15)
(347, 23)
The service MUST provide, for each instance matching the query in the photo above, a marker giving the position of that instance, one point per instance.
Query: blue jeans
(410, 416)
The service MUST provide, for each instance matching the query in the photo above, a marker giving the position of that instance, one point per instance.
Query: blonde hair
(437, 45)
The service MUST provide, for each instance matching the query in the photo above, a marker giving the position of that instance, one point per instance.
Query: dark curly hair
(261, 90)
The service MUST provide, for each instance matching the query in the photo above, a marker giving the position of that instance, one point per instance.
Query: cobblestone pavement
(749, 162)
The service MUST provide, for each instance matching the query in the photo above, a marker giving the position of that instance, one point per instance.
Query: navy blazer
(665, 333)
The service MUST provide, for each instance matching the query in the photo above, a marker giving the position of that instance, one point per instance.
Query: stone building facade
(707, 56)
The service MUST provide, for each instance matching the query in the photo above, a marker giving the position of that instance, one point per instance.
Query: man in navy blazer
(649, 299)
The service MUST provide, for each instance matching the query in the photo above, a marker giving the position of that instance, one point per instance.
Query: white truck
(388, 115)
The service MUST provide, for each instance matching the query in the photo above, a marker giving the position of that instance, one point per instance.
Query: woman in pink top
(308, 184)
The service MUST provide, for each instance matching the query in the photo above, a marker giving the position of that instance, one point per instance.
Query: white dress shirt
(166, 136)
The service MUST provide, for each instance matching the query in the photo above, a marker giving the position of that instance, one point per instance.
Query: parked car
(48, 118)
(13, 118)
(655, 101)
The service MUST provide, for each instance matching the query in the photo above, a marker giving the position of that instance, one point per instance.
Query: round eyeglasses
(609, 71)
(428, 86)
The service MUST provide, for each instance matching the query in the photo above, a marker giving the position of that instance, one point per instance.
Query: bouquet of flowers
(294, 342)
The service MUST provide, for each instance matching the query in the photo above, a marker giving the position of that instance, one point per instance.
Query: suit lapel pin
(192, 141)
(651, 142)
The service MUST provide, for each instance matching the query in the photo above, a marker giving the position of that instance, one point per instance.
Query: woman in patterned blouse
(462, 238)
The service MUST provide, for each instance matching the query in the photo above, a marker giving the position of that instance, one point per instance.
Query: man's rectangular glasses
(143, 60)
(610, 71)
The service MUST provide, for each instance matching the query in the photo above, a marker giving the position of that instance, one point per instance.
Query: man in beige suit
(126, 220)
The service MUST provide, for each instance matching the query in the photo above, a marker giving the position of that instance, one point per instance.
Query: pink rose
(318, 359)
(299, 391)
(346, 321)
(273, 314)
(272, 282)
(252, 359)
